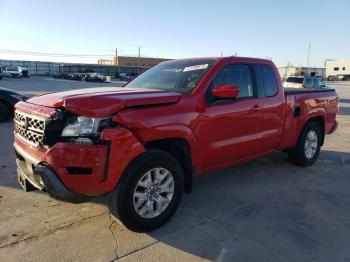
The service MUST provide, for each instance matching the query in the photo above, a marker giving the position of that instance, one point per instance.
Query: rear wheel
(5, 111)
(149, 191)
(308, 147)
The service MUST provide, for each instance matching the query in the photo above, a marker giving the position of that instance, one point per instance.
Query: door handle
(256, 108)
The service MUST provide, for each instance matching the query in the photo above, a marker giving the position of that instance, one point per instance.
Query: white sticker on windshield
(195, 67)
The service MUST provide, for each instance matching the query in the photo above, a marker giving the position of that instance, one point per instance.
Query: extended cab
(142, 144)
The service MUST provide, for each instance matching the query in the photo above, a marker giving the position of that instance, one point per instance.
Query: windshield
(297, 80)
(176, 75)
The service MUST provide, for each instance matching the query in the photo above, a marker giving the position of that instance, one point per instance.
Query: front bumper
(40, 177)
(96, 168)
(80, 168)
(14, 75)
(56, 188)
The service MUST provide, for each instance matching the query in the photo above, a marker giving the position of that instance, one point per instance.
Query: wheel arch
(320, 121)
(180, 149)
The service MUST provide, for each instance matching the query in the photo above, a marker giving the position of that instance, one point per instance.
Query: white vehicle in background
(14, 71)
(304, 82)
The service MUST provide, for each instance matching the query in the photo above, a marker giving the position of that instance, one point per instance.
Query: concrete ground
(265, 210)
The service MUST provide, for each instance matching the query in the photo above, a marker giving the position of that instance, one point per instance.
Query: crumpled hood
(104, 101)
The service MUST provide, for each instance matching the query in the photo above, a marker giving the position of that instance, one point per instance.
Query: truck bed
(294, 91)
(303, 103)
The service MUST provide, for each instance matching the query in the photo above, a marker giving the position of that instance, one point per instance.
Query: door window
(237, 75)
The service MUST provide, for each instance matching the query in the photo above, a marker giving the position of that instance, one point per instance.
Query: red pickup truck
(141, 144)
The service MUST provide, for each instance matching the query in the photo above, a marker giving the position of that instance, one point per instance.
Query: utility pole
(116, 62)
(138, 60)
(308, 56)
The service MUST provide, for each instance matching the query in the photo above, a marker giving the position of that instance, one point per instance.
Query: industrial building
(288, 71)
(337, 69)
(51, 68)
(132, 61)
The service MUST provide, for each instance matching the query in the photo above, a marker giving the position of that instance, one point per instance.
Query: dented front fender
(123, 147)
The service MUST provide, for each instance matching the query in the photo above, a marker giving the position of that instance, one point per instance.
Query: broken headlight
(81, 126)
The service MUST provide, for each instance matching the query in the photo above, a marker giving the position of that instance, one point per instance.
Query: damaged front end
(71, 157)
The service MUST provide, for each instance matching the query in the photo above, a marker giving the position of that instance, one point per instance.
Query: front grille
(30, 128)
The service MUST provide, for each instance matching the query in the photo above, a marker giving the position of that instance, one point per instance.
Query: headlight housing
(81, 126)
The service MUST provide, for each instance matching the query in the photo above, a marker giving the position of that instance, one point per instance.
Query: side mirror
(225, 91)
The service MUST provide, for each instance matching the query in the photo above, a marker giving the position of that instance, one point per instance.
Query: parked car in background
(1, 73)
(77, 76)
(304, 82)
(125, 76)
(25, 72)
(61, 76)
(94, 77)
(8, 98)
(14, 71)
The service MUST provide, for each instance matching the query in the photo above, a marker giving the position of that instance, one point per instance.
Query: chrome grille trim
(30, 128)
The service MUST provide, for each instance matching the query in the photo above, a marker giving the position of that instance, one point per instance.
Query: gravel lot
(265, 210)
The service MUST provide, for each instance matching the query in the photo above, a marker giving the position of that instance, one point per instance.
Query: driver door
(233, 128)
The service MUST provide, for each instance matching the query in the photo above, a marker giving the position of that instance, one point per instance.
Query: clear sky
(277, 29)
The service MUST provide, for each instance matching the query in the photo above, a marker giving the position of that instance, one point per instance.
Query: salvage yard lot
(265, 210)
(37, 85)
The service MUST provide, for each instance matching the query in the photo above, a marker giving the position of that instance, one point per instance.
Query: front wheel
(308, 147)
(149, 192)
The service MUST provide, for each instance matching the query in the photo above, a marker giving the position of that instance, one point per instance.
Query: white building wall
(337, 67)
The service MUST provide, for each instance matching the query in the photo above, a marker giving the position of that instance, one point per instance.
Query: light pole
(116, 62)
(138, 61)
(308, 55)
(116, 57)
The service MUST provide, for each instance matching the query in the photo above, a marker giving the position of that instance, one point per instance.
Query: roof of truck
(219, 58)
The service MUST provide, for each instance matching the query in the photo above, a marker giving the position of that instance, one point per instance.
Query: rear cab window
(269, 81)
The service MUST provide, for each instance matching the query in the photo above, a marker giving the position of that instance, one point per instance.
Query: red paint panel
(101, 102)
(124, 148)
(63, 155)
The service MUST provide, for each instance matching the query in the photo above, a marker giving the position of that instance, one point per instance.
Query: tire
(5, 111)
(299, 154)
(122, 203)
